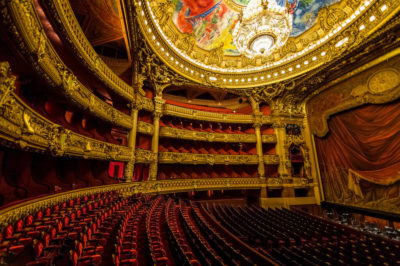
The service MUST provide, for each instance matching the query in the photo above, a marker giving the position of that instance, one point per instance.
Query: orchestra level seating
(111, 229)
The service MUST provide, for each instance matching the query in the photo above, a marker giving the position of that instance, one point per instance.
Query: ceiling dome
(210, 42)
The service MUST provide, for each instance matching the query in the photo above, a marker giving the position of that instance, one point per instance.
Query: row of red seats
(100, 223)
(182, 250)
(206, 254)
(16, 238)
(207, 126)
(290, 237)
(167, 171)
(186, 146)
(218, 241)
(157, 244)
(81, 226)
(127, 244)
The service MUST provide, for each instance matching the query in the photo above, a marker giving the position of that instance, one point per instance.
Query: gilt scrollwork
(145, 128)
(192, 158)
(206, 136)
(144, 156)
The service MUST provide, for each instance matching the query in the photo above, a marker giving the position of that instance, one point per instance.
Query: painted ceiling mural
(212, 21)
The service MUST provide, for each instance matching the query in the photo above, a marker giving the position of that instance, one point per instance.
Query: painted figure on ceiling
(209, 20)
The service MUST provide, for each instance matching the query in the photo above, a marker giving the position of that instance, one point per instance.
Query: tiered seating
(157, 241)
(205, 253)
(291, 238)
(129, 247)
(182, 250)
(79, 227)
(228, 253)
(211, 127)
(105, 229)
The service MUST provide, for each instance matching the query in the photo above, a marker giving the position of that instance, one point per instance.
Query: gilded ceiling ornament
(353, 3)
(383, 81)
(330, 17)
(269, 92)
(163, 10)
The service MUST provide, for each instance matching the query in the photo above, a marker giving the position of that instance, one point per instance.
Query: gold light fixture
(263, 27)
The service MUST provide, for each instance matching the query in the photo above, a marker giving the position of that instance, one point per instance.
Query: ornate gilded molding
(144, 156)
(145, 104)
(71, 30)
(376, 85)
(174, 110)
(26, 129)
(207, 136)
(24, 25)
(271, 159)
(15, 212)
(194, 158)
(145, 128)
(268, 138)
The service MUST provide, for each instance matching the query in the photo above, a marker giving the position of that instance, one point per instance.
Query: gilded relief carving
(145, 128)
(191, 158)
(144, 156)
(211, 137)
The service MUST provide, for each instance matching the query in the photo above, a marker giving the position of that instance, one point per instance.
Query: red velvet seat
(84, 261)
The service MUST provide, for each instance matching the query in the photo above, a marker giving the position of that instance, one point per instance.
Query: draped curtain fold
(365, 141)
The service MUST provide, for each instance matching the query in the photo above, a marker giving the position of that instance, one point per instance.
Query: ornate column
(130, 166)
(284, 164)
(158, 108)
(257, 128)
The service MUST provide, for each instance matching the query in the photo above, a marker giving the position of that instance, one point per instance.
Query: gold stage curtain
(364, 141)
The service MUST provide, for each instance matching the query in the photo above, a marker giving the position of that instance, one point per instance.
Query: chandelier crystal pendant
(263, 27)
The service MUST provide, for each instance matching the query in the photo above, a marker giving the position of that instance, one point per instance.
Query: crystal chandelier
(263, 27)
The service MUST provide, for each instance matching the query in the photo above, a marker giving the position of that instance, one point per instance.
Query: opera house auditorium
(199, 132)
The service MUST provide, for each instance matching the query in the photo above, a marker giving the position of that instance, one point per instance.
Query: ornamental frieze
(145, 104)
(33, 43)
(206, 136)
(27, 129)
(271, 159)
(194, 158)
(144, 156)
(145, 128)
(269, 138)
